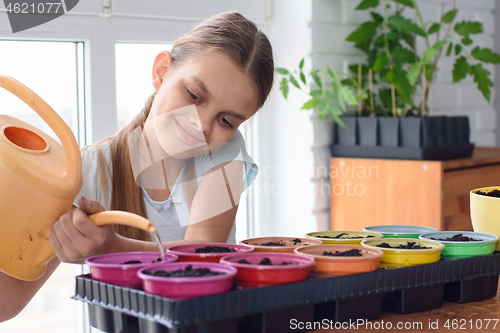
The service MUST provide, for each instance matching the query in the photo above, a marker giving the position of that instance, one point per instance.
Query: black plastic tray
(404, 153)
(418, 288)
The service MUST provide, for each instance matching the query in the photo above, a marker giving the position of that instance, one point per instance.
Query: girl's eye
(193, 96)
(225, 122)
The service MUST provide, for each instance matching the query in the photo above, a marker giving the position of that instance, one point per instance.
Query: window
(134, 63)
(51, 70)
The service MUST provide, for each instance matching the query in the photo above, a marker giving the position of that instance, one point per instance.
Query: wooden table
(367, 192)
(460, 313)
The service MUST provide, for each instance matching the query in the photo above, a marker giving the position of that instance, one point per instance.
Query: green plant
(389, 42)
(328, 99)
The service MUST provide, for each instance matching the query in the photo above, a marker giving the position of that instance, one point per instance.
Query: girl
(181, 162)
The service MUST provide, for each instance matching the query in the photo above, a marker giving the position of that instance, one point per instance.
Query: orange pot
(289, 243)
(341, 265)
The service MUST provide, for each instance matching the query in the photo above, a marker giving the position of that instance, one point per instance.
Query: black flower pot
(411, 132)
(346, 136)
(462, 130)
(388, 130)
(434, 131)
(368, 131)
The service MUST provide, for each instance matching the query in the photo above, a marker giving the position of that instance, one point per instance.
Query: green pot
(400, 230)
(458, 249)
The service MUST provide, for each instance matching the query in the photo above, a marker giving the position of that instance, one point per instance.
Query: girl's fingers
(85, 226)
(56, 246)
(90, 206)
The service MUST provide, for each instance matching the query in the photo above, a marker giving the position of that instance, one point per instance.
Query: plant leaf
(408, 39)
(314, 74)
(413, 72)
(337, 87)
(385, 97)
(460, 69)
(282, 71)
(302, 77)
(439, 45)
(458, 48)
(486, 55)
(364, 33)
(330, 95)
(381, 62)
(434, 28)
(316, 93)
(429, 70)
(322, 109)
(337, 120)
(450, 47)
(429, 54)
(310, 104)
(377, 17)
(398, 78)
(349, 97)
(481, 77)
(405, 2)
(450, 16)
(403, 55)
(284, 87)
(294, 81)
(467, 41)
(405, 25)
(465, 28)
(365, 4)
(301, 64)
(354, 69)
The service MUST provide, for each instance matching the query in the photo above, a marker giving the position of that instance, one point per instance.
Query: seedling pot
(466, 249)
(485, 212)
(187, 287)
(350, 237)
(341, 265)
(187, 252)
(254, 274)
(400, 230)
(406, 257)
(110, 268)
(290, 243)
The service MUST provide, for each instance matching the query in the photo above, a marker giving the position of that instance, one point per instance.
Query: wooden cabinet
(365, 192)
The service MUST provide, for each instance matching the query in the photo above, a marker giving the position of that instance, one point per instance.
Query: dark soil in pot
(339, 236)
(214, 249)
(138, 262)
(494, 193)
(458, 238)
(188, 272)
(264, 261)
(407, 246)
(349, 253)
(274, 244)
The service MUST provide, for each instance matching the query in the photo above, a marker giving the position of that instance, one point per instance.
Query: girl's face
(200, 103)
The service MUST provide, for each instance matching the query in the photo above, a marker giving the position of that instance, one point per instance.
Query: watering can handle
(73, 173)
(120, 217)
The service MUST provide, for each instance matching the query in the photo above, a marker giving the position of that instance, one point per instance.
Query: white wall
(285, 134)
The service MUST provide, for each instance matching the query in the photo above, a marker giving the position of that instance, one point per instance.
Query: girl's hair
(231, 33)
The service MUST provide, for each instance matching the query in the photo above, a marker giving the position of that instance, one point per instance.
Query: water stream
(156, 237)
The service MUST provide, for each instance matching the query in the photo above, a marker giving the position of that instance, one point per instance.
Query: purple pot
(110, 268)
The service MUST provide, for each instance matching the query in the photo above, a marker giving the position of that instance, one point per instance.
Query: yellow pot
(405, 257)
(485, 212)
(345, 237)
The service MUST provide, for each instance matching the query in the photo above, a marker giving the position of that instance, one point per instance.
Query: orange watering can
(39, 180)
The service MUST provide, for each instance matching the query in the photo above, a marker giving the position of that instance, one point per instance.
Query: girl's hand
(75, 237)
